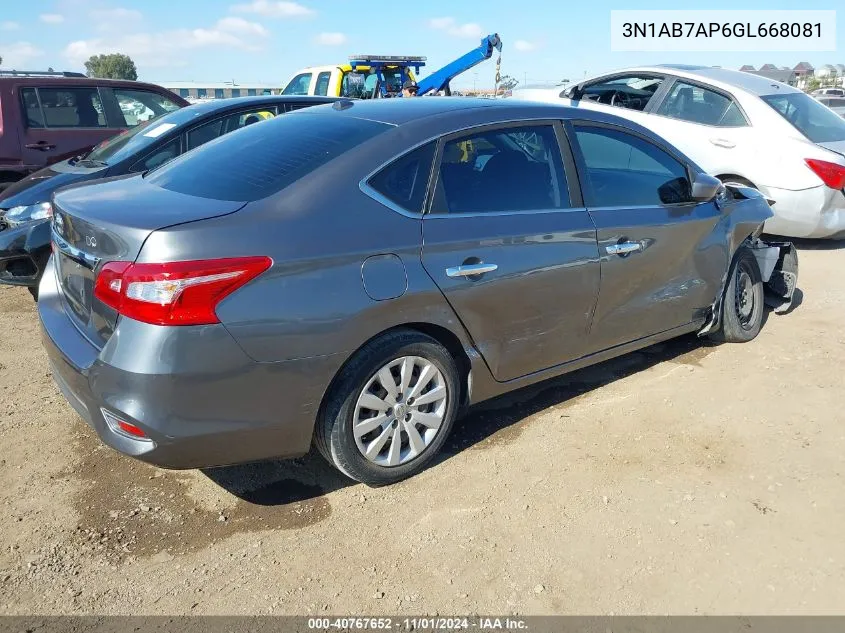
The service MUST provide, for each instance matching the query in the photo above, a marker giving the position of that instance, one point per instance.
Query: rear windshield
(260, 160)
(818, 123)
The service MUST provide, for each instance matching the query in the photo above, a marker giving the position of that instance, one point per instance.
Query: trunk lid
(110, 221)
(835, 146)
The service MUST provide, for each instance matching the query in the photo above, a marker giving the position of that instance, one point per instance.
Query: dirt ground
(682, 479)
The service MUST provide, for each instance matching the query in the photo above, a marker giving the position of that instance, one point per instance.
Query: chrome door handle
(624, 248)
(722, 142)
(470, 270)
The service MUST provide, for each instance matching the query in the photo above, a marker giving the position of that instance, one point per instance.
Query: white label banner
(722, 31)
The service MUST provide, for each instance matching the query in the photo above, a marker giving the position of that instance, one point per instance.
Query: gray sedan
(352, 276)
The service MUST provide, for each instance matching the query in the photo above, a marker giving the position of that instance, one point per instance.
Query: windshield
(118, 148)
(363, 85)
(818, 123)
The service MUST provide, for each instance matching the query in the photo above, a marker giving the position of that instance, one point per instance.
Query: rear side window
(405, 180)
(138, 105)
(261, 160)
(689, 102)
(625, 170)
(322, 87)
(69, 107)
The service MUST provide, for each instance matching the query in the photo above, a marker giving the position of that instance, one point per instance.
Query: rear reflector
(122, 427)
(175, 293)
(130, 428)
(832, 174)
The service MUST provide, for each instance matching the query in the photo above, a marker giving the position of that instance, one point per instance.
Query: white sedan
(740, 127)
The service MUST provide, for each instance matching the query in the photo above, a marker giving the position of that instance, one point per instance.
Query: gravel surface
(685, 478)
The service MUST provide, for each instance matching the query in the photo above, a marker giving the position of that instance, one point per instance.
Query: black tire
(743, 304)
(334, 436)
(34, 292)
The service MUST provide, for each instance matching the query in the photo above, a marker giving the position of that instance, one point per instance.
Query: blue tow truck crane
(392, 71)
(440, 79)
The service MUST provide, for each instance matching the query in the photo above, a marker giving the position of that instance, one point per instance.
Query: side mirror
(705, 187)
(570, 92)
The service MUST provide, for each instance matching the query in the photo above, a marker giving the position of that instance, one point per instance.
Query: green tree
(507, 83)
(1, 60)
(112, 66)
(813, 83)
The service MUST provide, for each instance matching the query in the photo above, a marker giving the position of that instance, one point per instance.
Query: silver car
(354, 276)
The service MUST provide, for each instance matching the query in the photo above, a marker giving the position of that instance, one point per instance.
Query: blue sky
(268, 40)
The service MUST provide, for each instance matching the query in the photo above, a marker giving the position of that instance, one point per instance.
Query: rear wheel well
(440, 334)
(453, 345)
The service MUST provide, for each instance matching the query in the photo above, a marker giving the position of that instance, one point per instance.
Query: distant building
(198, 91)
(828, 70)
(828, 75)
(770, 71)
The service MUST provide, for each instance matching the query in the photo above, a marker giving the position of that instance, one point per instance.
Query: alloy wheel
(400, 411)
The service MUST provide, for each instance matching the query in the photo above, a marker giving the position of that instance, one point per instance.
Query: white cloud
(441, 23)
(118, 19)
(450, 25)
(9, 26)
(167, 48)
(330, 39)
(274, 9)
(52, 18)
(524, 46)
(19, 54)
(241, 26)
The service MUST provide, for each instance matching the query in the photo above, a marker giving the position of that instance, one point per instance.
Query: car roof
(400, 111)
(749, 82)
(314, 69)
(47, 80)
(233, 103)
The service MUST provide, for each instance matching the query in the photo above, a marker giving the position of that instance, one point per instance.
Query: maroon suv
(47, 117)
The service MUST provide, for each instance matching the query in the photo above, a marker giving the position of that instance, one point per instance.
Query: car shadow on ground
(497, 421)
(283, 482)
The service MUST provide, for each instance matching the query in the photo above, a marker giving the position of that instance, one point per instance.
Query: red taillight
(832, 174)
(175, 293)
